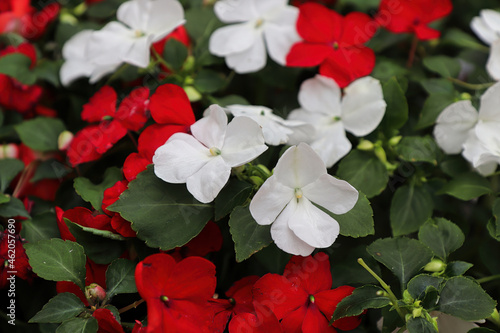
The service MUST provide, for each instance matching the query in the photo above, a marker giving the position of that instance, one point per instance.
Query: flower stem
(470, 86)
(384, 285)
(413, 50)
(488, 278)
(131, 306)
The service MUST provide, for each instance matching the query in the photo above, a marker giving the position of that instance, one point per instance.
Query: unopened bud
(193, 94)
(64, 140)
(95, 293)
(365, 145)
(9, 150)
(435, 265)
(495, 316)
(407, 297)
(395, 140)
(465, 96)
(380, 153)
(417, 312)
(256, 180)
(189, 63)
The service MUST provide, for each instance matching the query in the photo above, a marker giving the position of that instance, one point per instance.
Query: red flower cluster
(179, 298)
(20, 17)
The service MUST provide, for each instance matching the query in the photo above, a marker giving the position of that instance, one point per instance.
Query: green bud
(192, 93)
(495, 316)
(395, 140)
(189, 65)
(365, 145)
(380, 153)
(94, 293)
(188, 80)
(435, 265)
(465, 96)
(68, 18)
(407, 297)
(417, 312)
(264, 170)
(256, 180)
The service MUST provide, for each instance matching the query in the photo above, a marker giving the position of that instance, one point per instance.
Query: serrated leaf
(481, 330)
(94, 193)
(396, 113)
(120, 278)
(465, 299)
(163, 215)
(418, 285)
(40, 227)
(79, 325)
(362, 298)
(466, 187)
(364, 171)
(358, 222)
(50, 169)
(10, 168)
(101, 250)
(175, 53)
(420, 325)
(17, 66)
(248, 236)
(59, 308)
(411, 206)
(457, 268)
(14, 207)
(441, 236)
(41, 133)
(234, 194)
(494, 223)
(418, 149)
(433, 106)
(442, 65)
(402, 256)
(57, 260)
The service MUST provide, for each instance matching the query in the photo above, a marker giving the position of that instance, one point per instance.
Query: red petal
(279, 294)
(63, 228)
(208, 240)
(327, 303)
(310, 273)
(155, 136)
(223, 311)
(151, 274)
(348, 64)
(122, 226)
(107, 321)
(292, 323)
(133, 165)
(307, 55)
(263, 321)
(423, 32)
(170, 105)
(318, 24)
(244, 282)
(132, 112)
(179, 34)
(102, 104)
(358, 29)
(85, 218)
(70, 287)
(35, 24)
(194, 278)
(112, 194)
(96, 273)
(315, 322)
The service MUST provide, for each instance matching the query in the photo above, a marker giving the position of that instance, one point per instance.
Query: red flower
(413, 16)
(107, 321)
(208, 240)
(18, 264)
(333, 42)
(262, 320)
(118, 223)
(302, 298)
(176, 294)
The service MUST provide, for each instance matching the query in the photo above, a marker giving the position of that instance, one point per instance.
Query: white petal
(335, 195)
(482, 30)
(243, 142)
(133, 13)
(331, 143)
(285, 238)
(302, 132)
(108, 45)
(493, 64)
(179, 158)
(280, 34)
(298, 166)
(164, 16)
(74, 69)
(488, 126)
(320, 94)
(75, 47)
(312, 225)
(138, 54)
(230, 11)
(270, 200)
(363, 106)
(492, 19)
(453, 125)
(251, 60)
(487, 168)
(206, 184)
(211, 130)
(269, 7)
(232, 39)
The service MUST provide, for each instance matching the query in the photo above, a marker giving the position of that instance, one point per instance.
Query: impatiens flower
(107, 321)
(13, 258)
(413, 16)
(258, 25)
(359, 112)
(461, 128)
(204, 160)
(262, 320)
(487, 28)
(289, 198)
(303, 298)
(276, 130)
(176, 293)
(333, 42)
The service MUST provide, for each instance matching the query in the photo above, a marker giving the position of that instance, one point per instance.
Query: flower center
(298, 193)
(259, 23)
(214, 151)
(164, 299)
(138, 33)
(311, 299)
(335, 119)
(335, 45)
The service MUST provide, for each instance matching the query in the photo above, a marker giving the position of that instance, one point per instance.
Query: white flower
(359, 111)
(204, 160)
(259, 24)
(277, 131)
(287, 200)
(487, 27)
(460, 128)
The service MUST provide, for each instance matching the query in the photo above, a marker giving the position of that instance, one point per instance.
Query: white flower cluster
(487, 27)
(140, 23)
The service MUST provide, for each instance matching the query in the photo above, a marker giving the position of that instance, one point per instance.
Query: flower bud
(64, 140)
(465, 96)
(189, 63)
(256, 180)
(435, 265)
(395, 140)
(365, 145)
(9, 150)
(380, 153)
(192, 94)
(95, 293)
(407, 297)
(417, 312)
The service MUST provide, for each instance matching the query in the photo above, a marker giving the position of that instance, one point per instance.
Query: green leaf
(40, 227)
(175, 53)
(49, 71)
(14, 207)
(465, 299)
(79, 325)
(442, 65)
(420, 325)
(481, 330)
(441, 236)
(248, 236)
(57, 260)
(120, 278)
(104, 9)
(418, 149)
(101, 250)
(234, 194)
(364, 171)
(41, 133)
(94, 193)
(362, 298)
(461, 39)
(231, 99)
(402, 256)
(10, 168)
(59, 308)
(411, 206)
(433, 106)
(4, 198)
(17, 66)
(494, 224)
(209, 81)
(396, 113)
(164, 215)
(438, 86)
(457, 268)
(358, 222)
(50, 169)
(466, 187)
(201, 22)
(417, 286)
